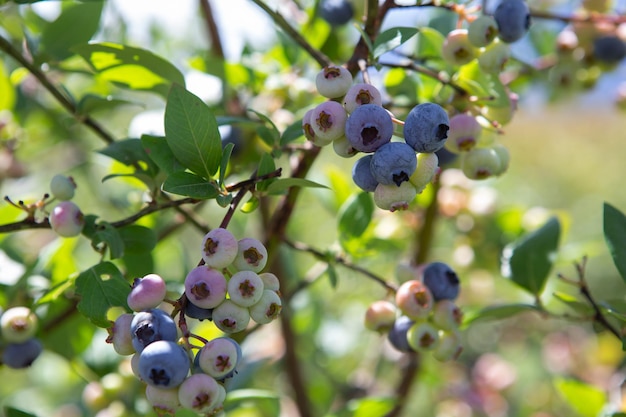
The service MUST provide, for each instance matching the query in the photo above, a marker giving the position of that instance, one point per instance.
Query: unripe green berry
(457, 49)
(480, 163)
(482, 31)
(427, 167)
(62, 187)
(267, 309)
(494, 57)
(449, 346)
(423, 337)
(18, 324)
(393, 197)
(447, 315)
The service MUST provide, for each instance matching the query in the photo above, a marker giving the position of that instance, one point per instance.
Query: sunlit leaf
(585, 399)
(190, 185)
(90, 103)
(266, 402)
(14, 412)
(283, 184)
(7, 91)
(392, 38)
(498, 312)
(159, 151)
(101, 287)
(615, 236)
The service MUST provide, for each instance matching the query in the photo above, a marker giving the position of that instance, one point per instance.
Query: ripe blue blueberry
(609, 49)
(21, 355)
(426, 127)
(150, 326)
(513, 20)
(362, 174)
(199, 313)
(442, 281)
(398, 334)
(393, 163)
(369, 127)
(336, 12)
(163, 364)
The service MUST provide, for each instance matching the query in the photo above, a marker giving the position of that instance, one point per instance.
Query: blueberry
(22, 355)
(252, 255)
(230, 317)
(482, 31)
(147, 292)
(369, 127)
(423, 337)
(393, 197)
(481, 163)
(205, 287)
(66, 219)
(513, 20)
(121, 336)
(457, 48)
(362, 174)
(393, 163)
(199, 313)
(442, 281)
(267, 308)
(150, 326)
(163, 364)
(426, 127)
(18, 324)
(245, 288)
(360, 94)
(609, 49)
(219, 248)
(62, 187)
(201, 393)
(397, 334)
(336, 12)
(333, 81)
(219, 357)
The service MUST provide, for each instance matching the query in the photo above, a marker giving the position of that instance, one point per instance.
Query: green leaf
(108, 235)
(264, 402)
(293, 132)
(283, 184)
(573, 303)
(268, 132)
(429, 43)
(190, 185)
(90, 103)
(226, 153)
(332, 275)
(498, 312)
(615, 236)
(129, 67)
(138, 264)
(530, 261)
(355, 215)
(585, 399)
(266, 165)
(371, 407)
(392, 38)
(191, 132)
(159, 151)
(137, 239)
(101, 287)
(14, 412)
(132, 153)
(75, 25)
(7, 91)
(250, 205)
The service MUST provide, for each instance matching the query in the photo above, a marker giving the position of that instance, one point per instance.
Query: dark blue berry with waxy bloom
(426, 127)
(513, 20)
(369, 127)
(393, 163)
(609, 49)
(442, 281)
(362, 174)
(21, 355)
(163, 364)
(398, 334)
(150, 326)
(336, 12)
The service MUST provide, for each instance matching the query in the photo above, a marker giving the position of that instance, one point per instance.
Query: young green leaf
(293, 132)
(191, 132)
(498, 312)
(159, 151)
(266, 165)
(101, 287)
(585, 399)
(281, 185)
(108, 235)
(355, 215)
(190, 185)
(132, 153)
(268, 131)
(392, 38)
(615, 236)
(531, 258)
(266, 403)
(226, 153)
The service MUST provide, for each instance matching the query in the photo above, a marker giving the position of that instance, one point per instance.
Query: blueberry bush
(337, 221)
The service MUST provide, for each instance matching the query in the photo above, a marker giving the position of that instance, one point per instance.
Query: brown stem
(426, 234)
(403, 389)
(212, 29)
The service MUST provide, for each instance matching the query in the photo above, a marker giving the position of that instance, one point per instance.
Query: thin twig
(212, 29)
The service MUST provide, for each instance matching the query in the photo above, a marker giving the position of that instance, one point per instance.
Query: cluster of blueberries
(18, 343)
(424, 317)
(175, 377)
(65, 219)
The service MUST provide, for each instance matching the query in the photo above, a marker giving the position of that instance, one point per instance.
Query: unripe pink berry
(464, 133)
(66, 219)
(380, 316)
(328, 122)
(219, 248)
(200, 393)
(360, 94)
(414, 299)
(205, 287)
(147, 292)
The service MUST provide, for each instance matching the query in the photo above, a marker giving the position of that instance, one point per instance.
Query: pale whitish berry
(328, 122)
(482, 31)
(200, 393)
(66, 219)
(252, 255)
(343, 147)
(494, 57)
(464, 133)
(219, 248)
(427, 167)
(360, 94)
(147, 292)
(18, 324)
(205, 287)
(480, 163)
(267, 308)
(414, 299)
(306, 126)
(447, 315)
(380, 316)
(333, 81)
(219, 357)
(163, 400)
(449, 346)
(393, 198)
(134, 365)
(504, 156)
(121, 336)
(230, 317)
(423, 337)
(270, 281)
(245, 288)
(62, 187)
(457, 49)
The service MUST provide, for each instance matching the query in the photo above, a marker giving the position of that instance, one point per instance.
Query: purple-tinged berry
(252, 255)
(219, 248)
(336, 12)
(22, 355)
(447, 315)
(393, 197)
(201, 393)
(398, 334)
(481, 163)
(449, 346)
(380, 316)
(442, 281)
(121, 336)
(423, 337)
(360, 94)
(147, 292)
(18, 324)
(219, 357)
(513, 20)
(369, 127)
(245, 288)
(393, 163)
(482, 31)
(230, 317)
(307, 128)
(66, 219)
(205, 287)
(457, 49)
(414, 299)
(267, 309)
(163, 400)
(163, 364)
(427, 168)
(464, 133)
(150, 326)
(328, 122)
(62, 187)
(426, 127)
(333, 81)
(362, 174)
